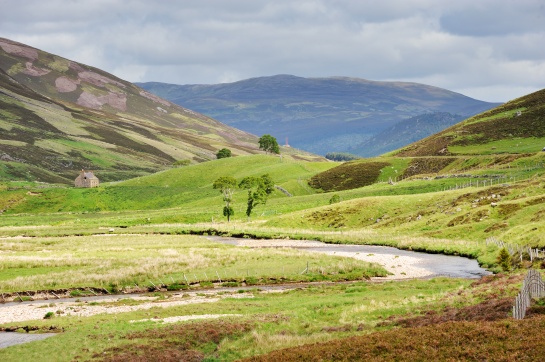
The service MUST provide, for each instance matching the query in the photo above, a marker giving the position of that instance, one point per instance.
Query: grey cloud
(491, 18)
(465, 45)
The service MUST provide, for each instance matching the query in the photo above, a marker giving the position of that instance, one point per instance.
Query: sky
(492, 50)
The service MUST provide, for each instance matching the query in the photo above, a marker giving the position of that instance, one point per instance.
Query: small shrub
(231, 284)
(49, 315)
(334, 199)
(176, 286)
(251, 281)
(504, 260)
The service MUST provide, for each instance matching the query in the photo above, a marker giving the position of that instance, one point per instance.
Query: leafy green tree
(259, 189)
(226, 185)
(223, 153)
(269, 144)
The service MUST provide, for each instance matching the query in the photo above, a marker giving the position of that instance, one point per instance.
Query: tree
(223, 153)
(226, 185)
(268, 144)
(504, 259)
(259, 189)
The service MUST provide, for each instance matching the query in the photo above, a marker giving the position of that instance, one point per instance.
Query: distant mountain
(405, 132)
(58, 116)
(317, 114)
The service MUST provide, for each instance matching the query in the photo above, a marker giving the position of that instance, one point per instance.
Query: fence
(533, 253)
(532, 287)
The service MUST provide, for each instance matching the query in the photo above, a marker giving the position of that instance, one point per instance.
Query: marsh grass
(117, 261)
(297, 317)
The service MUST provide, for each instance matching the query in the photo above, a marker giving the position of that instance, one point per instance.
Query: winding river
(403, 264)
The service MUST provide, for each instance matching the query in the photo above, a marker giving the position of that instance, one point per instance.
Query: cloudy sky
(491, 50)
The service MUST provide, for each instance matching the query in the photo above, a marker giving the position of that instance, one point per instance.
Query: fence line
(533, 253)
(532, 287)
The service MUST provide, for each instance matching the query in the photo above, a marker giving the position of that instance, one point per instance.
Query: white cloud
(486, 49)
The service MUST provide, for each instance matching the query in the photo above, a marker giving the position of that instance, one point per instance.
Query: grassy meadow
(147, 232)
(121, 262)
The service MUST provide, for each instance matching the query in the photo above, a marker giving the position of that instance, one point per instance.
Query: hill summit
(320, 115)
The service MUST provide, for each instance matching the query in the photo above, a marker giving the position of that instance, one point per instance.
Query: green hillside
(175, 188)
(58, 117)
(516, 127)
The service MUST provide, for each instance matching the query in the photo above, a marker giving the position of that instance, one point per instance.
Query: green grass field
(138, 234)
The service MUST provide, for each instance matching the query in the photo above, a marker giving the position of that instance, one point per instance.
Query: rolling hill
(516, 127)
(58, 116)
(319, 115)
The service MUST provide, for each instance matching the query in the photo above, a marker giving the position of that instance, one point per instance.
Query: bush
(251, 281)
(230, 284)
(223, 153)
(49, 315)
(334, 199)
(504, 260)
(176, 286)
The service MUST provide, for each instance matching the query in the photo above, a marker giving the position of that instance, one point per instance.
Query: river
(403, 264)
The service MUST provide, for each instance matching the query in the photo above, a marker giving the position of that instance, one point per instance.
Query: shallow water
(436, 264)
(12, 338)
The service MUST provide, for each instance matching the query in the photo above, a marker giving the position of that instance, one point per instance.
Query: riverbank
(402, 264)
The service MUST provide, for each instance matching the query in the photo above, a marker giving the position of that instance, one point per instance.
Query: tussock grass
(116, 261)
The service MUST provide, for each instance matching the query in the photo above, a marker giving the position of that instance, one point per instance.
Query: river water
(401, 263)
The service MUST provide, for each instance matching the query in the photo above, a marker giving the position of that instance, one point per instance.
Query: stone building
(86, 179)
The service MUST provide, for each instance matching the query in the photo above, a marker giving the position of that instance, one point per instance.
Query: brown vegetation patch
(495, 227)
(419, 166)
(484, 197)
(451, 341)
(506, 210)
(469, 218)
(115, 138)
(536, 201)
(350, 175)
(489, 310)
(539, 216)
(178, 342)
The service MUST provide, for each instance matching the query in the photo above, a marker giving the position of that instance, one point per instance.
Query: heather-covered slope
(58, 116)
(516, 127)
(318, 114)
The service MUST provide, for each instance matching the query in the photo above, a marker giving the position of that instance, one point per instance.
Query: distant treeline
(341, 156)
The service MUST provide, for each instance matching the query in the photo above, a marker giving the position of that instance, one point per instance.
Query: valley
(142, 244)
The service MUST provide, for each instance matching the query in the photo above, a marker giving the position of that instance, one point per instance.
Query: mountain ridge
(329, 114)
